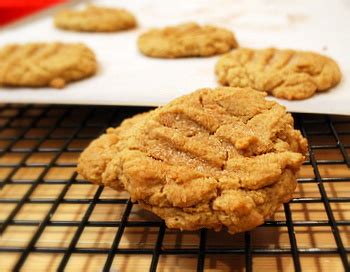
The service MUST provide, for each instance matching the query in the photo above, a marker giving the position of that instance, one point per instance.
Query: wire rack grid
(52, 219)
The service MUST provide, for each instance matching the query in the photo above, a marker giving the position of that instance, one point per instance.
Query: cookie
(95, 19)
(186, 40)
(285, 74)
(213, 158)
(45, 64)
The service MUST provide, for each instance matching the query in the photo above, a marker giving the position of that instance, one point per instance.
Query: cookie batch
(286, 74)
(215, 158)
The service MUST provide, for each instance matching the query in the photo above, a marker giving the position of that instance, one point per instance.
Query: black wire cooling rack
(38, 143)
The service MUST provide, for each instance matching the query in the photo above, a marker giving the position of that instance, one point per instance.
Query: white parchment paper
(125, 77)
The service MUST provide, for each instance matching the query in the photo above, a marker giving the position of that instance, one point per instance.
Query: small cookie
(186, 40)
(285, 74)
(213, 158)
(95, 19)
(45, 64)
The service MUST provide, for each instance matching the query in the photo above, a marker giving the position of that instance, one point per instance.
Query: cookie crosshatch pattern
(286, 74)
(45, 64)
(52, 219)
(214, 158)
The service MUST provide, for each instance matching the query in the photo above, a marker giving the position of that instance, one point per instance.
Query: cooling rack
(52, 219)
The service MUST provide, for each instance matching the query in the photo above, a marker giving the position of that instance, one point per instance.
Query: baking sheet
(125, 77)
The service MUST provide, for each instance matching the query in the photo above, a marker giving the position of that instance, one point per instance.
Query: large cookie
(95, 19)
(45, 64)
(213, 158)
(186, 40)
(285, 74)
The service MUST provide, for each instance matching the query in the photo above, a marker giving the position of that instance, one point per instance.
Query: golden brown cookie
(285, 74)
(213, 158)
(186, 40)
(45, 64)
(95, 19)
